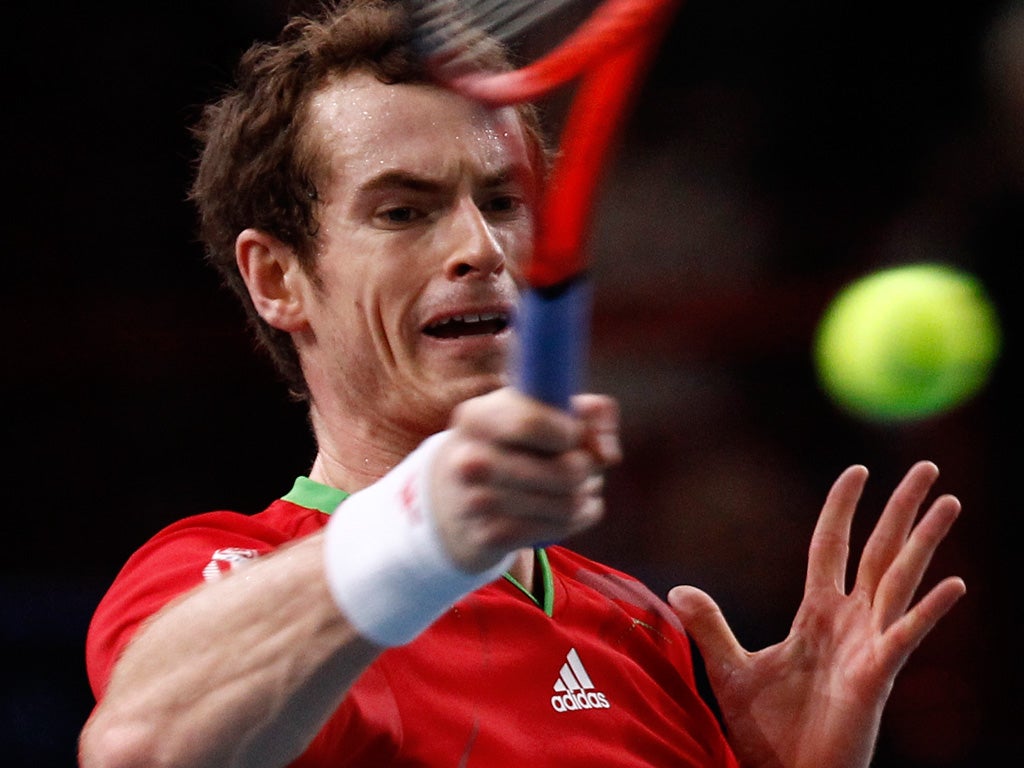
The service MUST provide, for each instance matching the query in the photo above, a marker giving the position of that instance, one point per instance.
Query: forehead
(369, 126)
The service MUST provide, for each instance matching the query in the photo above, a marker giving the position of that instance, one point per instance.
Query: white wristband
(385, 563)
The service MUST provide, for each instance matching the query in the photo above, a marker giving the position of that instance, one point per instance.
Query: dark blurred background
(779, 150)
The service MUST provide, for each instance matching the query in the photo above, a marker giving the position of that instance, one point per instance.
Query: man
(399, 605)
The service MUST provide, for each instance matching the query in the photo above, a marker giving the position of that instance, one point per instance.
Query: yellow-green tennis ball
(907, 342)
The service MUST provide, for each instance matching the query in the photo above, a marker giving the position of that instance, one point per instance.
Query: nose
(477, 252)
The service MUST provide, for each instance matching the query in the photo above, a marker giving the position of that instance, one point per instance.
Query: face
(426, 217)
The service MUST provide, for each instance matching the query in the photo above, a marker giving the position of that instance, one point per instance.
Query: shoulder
(192, 551)
(280, 522)
(202, 546)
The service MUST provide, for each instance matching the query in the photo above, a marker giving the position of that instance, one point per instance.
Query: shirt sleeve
(365, 730)
(179, 558)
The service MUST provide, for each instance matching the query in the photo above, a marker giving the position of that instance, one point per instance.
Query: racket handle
(553, 327)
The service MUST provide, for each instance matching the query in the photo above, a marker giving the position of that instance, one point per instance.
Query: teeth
(470, 318)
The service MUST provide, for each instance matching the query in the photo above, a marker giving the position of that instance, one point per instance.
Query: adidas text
(582, 700)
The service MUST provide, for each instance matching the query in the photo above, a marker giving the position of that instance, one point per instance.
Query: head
(262, 164)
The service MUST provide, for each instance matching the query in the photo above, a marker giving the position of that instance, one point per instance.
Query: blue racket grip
(553, 328)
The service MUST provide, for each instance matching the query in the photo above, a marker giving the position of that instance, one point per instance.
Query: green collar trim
(547, 584)
(313, 495)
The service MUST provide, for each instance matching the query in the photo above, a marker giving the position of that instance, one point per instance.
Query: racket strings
(446, 27)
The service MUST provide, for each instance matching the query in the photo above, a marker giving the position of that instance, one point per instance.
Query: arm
(241, 672)
(245, 671)
(817, 697)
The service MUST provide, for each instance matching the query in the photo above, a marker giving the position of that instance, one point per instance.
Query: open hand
(816, 698)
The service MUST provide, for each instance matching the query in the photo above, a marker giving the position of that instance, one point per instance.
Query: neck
(354, 451)
(522, 569)
(352, 461)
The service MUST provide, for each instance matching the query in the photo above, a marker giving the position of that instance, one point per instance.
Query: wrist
(386, 565)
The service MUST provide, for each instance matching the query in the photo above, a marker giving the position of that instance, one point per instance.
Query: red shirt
(596, 672)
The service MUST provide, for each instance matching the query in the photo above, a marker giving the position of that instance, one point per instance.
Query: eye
(398, 215)
(503, 205)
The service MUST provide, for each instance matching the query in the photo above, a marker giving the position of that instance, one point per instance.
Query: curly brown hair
(258, 165)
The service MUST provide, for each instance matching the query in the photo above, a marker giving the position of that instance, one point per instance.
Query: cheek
(367, 296)
(383, 308)
(518, 246)
(345, 308)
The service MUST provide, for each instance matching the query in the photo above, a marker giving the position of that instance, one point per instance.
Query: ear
(274, 278)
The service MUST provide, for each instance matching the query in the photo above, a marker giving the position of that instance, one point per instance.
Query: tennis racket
(605, 57)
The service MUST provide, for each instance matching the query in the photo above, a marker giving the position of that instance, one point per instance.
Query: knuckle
(470, 463)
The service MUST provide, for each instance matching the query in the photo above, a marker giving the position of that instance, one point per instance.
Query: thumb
(704, 622)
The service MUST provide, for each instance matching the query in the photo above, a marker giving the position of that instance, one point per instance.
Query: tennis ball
(907, 342)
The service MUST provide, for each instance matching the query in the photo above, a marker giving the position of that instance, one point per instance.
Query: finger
(900, 640)
(496, 481)
(830, 543)
(513, 419)
(894, 525)
(600, 415)
(903, 577)
(532, 521)
(705, 623)
(501, 467)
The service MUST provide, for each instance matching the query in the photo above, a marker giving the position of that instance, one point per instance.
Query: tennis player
(403, 604)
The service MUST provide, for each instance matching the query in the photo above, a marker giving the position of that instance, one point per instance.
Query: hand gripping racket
(606, 56)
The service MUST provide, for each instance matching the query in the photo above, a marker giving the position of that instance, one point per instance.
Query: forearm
(243, 672)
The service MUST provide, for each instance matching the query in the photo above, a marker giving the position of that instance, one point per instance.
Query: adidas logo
(574, 689)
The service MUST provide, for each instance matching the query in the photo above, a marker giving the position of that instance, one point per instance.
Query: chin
(467, 387)
(433, 411)
(482, 385)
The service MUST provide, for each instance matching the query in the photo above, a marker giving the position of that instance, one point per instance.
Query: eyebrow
(398, 179)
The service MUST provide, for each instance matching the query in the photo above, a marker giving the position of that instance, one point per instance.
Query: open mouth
(457, 326)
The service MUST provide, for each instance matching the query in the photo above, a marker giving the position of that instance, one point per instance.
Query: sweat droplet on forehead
(367, 124)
